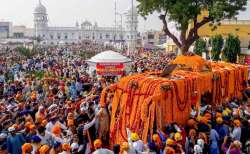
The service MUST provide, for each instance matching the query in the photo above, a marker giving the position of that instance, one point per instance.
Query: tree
(232, 48)
(186, 12)
(217, 45)
(26, 52)
(200, 46)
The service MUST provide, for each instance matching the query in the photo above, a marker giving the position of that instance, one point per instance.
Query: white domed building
(83, 31)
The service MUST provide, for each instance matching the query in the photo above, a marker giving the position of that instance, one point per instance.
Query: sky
(67, 12)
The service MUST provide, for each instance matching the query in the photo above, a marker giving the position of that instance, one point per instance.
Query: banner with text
(109, 69)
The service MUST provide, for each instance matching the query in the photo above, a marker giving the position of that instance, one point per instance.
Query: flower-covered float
(148, 101)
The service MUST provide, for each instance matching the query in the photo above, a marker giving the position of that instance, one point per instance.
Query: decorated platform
(143, 102)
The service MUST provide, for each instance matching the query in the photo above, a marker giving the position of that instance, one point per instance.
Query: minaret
(40, 20)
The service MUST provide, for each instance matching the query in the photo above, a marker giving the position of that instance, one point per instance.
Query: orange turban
(18, 96)
(66, 147)
(237, 123)
(219, 120)
(70, 122)
(208, 116)
(44, 123)
(27, 125)
(33, 96)
(56, 129)
(156, 138)
(26, 148)
(169, 141)
(44, 149)
(125, 146)
(31, 127)
(218, 114)
(97, 143)
(16, 126)
(204, 120)
(191, 122)
(39, 119)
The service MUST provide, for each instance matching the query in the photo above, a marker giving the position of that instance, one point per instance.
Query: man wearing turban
(99, 149)
(27, 148)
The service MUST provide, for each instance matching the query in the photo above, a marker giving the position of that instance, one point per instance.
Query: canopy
(109, 57)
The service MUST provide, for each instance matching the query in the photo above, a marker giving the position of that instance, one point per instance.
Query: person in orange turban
(41, 114)
(66, 148)
(56, 130)
(191, 123)
(97, 143)
(124, 147)
(98, 147)
(236, 134)
(70, 119)
(16, 126)
(219, 120)
(26, 148)
(44, 149)
(32, 127)
(203, 125)
(237, 123)
(204, 120)
(44, 123)
(218, 114)
(157, 140)
(169, 142)
(208, 116)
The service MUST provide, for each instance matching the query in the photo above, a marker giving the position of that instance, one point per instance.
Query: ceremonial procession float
(148, 101)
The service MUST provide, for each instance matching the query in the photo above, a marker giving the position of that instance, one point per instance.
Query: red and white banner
(109, 69)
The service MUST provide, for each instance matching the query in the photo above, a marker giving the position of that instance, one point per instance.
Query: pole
(132, 24)
(115, 22)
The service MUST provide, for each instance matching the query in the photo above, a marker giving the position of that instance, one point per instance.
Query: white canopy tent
(110, 57)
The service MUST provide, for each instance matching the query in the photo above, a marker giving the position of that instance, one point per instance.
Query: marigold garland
(147, 105)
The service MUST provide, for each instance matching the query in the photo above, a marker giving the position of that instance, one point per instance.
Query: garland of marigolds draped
(142, 100)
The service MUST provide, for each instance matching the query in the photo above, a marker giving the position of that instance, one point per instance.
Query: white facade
(85, 31)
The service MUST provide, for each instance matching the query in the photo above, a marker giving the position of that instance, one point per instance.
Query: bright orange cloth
(56, 130)
(26, 148)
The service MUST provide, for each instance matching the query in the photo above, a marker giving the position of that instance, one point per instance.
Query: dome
(40, 8)
(86, 23)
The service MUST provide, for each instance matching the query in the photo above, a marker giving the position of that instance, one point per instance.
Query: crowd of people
(50, 105)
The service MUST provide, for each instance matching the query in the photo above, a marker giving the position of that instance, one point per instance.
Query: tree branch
(167, 32)
(193, 33)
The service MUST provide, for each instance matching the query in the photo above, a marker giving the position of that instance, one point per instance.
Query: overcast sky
(67, 12)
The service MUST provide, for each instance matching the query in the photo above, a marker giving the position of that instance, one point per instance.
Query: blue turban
(56, 144)
(36, 139)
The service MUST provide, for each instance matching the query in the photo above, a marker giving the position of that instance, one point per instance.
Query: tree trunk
(184, 48)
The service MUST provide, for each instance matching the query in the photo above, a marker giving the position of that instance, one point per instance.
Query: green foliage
(184, 11)
(26, 52)
(217, 45)
(200, 46)
(37, 74)
(232, 48)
